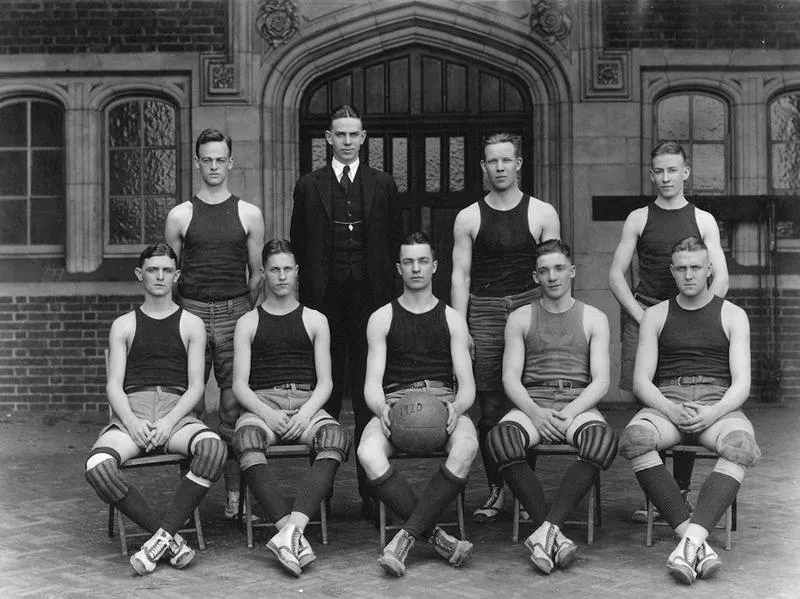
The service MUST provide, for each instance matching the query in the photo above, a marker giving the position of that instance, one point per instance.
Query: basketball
(418, 424)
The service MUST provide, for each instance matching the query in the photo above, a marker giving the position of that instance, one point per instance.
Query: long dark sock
(393, 490)
(578, 479)
(663, 491)
(682, 468)
(440, 492)
(135, 507)
(493, 474)
(315, 486)
(187, 496)
(525, 485)
(716, 494)
(267, 491)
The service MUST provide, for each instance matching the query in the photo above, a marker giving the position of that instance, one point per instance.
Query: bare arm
(623, 257)
(709, 230)
(462, 364)
(173, 229)
(462, 260)
(598, 332)
(547, 218)
(254, 220)
(377, 329)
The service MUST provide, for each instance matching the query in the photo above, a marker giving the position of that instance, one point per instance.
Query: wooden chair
(384, 527)
(151, 461)
(594, 515)
(700, 453)
(276, 452)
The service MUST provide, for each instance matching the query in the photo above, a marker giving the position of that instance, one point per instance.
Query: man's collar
(338, 167)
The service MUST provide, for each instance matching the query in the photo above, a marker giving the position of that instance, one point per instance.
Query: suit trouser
(348, 306)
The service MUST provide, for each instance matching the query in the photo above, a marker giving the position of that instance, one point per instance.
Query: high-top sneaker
(541, 544)
(285, 545)
(681, 561)
(455, 551)
(395, 553)
(492, 507)
(144, 561)
(180, 554)
(708, 561)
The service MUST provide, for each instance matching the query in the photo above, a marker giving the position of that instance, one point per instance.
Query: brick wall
(702, 24)
(52, 350)
(115, 26)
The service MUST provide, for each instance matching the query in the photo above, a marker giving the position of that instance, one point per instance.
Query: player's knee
(249, 443)
(332, 442)
(637, 440)
(104, 475)
(507, 444)
(740, 447)
(597, 444)
(209, 453)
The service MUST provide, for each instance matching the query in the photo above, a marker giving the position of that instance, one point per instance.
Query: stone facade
(596, 72)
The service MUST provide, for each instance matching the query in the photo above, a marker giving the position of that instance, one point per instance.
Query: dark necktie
(345, 180)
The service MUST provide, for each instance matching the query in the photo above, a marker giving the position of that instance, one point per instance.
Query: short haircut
(668, 147)
(276, 246)
(344, 111)
(501, 138)
(418, 238)
(689, 244)
(553, 246)
(158, 249)
(209, 135)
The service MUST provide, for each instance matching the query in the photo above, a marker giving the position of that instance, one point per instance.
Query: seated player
(417, 343)
(155, 378)
(693, 372)
(555, 371)
(282, 378)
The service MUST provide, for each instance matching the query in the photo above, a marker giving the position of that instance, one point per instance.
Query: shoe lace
(296, 545)
(550, 540)
(443, 541)
(403, 545)
(691, 551)
(494, 496)
(175, 545)
(160, 544)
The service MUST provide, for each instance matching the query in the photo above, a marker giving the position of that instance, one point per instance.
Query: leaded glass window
(142, 164)
(784, 152)
(32, 189)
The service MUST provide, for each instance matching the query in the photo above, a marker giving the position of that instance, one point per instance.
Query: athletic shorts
(220, 319)
(286, 399)
(487, 324)
(152, 406)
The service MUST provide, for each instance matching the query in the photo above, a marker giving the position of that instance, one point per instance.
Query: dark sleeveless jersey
(693, 342)
(504, 253)
(214, 255)
(418, 346)
(282, 351)
(556, 346)
(157, 355)
(663, 229)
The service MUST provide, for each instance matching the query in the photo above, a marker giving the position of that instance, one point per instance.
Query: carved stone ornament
(609, 74)
(552, 19)
(277, 21)
(223, 76)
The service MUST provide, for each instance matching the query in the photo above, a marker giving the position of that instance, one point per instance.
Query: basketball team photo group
(482, 361)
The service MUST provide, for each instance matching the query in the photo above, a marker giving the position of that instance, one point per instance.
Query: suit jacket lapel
(367, 188)
(324, 178)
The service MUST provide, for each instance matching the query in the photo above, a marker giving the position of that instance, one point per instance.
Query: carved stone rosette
(277, 21)
(552, 19)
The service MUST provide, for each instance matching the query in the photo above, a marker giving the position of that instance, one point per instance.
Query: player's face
(691, 271)
(281, 274)
(669, 172)
(214, 162)
(158, 273)
(345, 137)
(416, 265)
(501, 165)
(554, 273)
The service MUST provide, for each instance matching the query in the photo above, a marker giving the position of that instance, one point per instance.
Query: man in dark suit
(346, 230)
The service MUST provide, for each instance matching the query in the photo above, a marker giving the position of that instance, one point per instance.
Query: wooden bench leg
(323, 519)
(650, 516)
(515, 522)
(382, 523)
(248, 520)
(590, 518)
(462, 529)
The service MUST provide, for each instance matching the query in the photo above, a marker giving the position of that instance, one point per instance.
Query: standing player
(155, 377)
(493, 255)
(555, 371)
(650, 233)
(693, 374)
(282, 378)
(346, 228)
(218, 239)
(417, 343)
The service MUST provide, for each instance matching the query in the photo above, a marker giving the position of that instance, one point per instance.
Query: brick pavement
(54, 542)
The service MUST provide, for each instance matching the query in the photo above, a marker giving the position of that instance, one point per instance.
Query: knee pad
(597, 444)
(332, 441)
(208, 456)
(249, 439)
(105, 476)
(507, 444)
(740, 448)
(637, 440)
